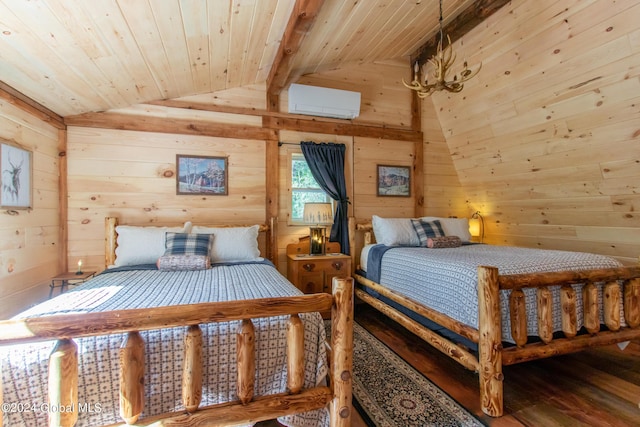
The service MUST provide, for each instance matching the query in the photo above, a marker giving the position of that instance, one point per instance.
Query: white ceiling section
(76, 56)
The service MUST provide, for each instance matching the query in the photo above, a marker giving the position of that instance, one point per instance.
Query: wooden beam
(328, 121)
(63, 202)
(271, 123)
(333, 128)
(27, 104)
(300, 22)
(164, 125)
(417, 181)
(473, 15)
(202, 106)
(272, 202)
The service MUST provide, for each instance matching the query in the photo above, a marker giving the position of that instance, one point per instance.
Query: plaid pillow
(187, 244)
(427, 229)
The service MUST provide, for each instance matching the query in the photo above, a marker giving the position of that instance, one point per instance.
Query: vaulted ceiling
(77, 56)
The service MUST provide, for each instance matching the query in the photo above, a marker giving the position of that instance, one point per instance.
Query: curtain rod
(280, 143)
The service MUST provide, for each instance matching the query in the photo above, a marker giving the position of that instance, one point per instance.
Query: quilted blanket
(24, 367)
(446, 279)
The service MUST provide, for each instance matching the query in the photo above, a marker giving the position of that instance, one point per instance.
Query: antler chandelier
(442, 62)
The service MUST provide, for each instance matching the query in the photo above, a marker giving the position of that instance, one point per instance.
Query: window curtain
(326, 162)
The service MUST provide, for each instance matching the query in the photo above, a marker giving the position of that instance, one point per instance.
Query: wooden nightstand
(67, 279)
(314, 273)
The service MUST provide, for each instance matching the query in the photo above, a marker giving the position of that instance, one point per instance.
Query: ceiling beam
(300, 22)
(32, 107)
(473, 15)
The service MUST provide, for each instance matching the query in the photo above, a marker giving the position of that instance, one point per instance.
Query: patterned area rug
(390, 393)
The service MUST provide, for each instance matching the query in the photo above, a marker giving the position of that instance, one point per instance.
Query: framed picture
(16, 166)
(394, 181)
(201, 175)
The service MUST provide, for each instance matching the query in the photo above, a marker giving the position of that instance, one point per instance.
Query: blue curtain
(326, 161)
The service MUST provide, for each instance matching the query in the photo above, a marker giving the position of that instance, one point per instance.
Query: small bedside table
(314, 273)
(67, 279)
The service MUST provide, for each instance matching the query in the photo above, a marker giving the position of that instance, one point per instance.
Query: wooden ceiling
(77, 56)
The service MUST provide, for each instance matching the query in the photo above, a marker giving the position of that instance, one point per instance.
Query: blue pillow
(427, 230)
(187, 244)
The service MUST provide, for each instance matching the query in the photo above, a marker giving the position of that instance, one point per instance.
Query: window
(304, 188)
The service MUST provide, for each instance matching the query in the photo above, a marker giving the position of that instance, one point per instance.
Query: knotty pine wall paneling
(368, 153)
(132, 175)
(29, 239)
(545, 139)
(444, 195)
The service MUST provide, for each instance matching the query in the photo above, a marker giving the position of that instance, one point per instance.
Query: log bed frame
(63, 364)
(491, 354)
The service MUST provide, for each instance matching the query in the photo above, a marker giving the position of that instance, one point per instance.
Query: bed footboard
(63, 364)
(621, 288)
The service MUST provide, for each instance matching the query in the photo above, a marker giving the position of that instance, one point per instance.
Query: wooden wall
(443, 192)
(29, 239)
(545, 139)
(132, 175)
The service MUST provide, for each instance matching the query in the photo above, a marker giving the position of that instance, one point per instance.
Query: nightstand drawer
(313, 274)
(311, 283)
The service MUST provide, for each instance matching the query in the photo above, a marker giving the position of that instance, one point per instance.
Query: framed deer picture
(15, 182)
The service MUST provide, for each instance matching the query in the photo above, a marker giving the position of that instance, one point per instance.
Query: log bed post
(63, 384)
(632, 302)
(518, 317)
(295, 354)
(490, 341)
(245, 349)
(110, 240)
(569, 311)
(131, 377)
(590, 308)
(192, 369)
(611, 296)
(342, 344)
(544, 302)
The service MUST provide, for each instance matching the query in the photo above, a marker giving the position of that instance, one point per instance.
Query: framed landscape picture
(201, 175)
(15, 182)
(394, 181)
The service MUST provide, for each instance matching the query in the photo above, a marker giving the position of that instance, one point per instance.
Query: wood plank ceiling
(77, 56)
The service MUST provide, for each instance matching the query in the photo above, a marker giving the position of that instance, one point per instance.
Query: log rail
(63, 362)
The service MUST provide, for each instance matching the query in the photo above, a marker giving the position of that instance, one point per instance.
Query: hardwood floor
(597, 387)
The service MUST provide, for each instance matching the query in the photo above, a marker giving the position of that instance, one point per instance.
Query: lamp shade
(474, 227)
(318, 213)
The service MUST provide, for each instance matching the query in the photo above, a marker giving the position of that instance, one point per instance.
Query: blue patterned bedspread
(446, 279)
(25, 366)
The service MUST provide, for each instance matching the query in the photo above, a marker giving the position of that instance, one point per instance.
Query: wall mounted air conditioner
(323, 102)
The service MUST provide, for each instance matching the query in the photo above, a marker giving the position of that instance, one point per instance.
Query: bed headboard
(111, 239)
(360, 234)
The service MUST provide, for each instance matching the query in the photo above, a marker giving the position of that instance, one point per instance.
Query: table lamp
(318, 216)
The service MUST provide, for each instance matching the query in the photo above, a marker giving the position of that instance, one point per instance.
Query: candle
(79, 267)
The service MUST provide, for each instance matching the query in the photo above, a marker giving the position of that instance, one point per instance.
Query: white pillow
(232, 244)
(453, 226)
(394, 231)
(141, 245)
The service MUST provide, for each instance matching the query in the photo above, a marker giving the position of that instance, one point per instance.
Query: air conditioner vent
(323, 102)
